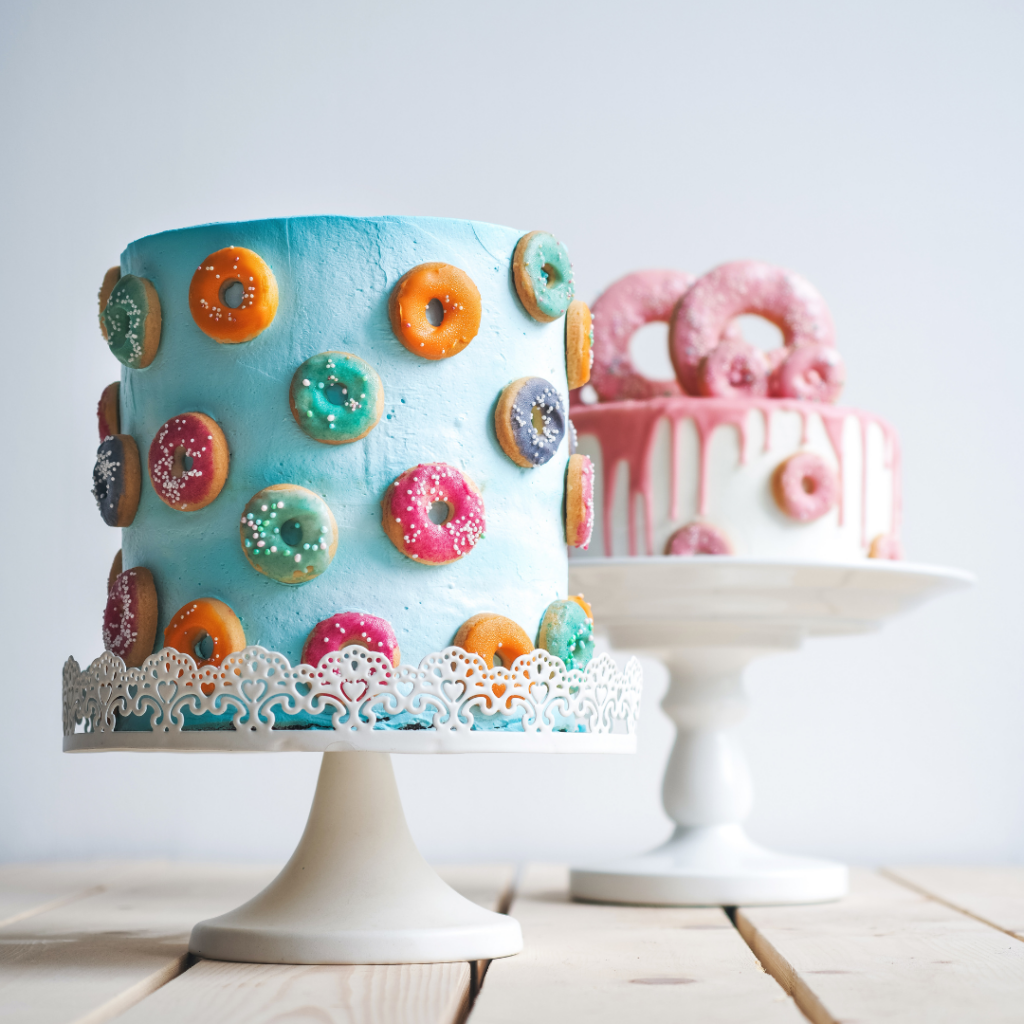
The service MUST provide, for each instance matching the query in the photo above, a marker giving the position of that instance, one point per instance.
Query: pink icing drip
(626, 432)
(864, 483)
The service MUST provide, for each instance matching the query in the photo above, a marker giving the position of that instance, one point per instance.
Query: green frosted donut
(288, 533)
(131, 321)
(336, 397)
(567, 632)
(543, 276)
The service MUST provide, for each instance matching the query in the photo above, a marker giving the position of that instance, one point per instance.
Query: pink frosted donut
(407, 520)
(622, 309)
(188, 461)
(349, 628)
(579, 501)
(698, 539)
(886, 546)
(734, 369)
(733, 289)
(815, 373)
(805, 486)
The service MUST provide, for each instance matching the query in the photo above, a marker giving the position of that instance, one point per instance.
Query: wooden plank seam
(61, 901)
(913, 887)
(139, 991)
(478, 968)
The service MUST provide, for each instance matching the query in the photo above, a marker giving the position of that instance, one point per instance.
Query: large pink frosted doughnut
(814, 372)
(622, 309)
(734, 369)
(805, 486)
(347, 628)
(698, 539)
(406, 513)
(731, 290)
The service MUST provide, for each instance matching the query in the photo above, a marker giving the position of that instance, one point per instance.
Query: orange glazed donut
(206, 629)
(233, 295)
(493, 636)
(442, 285)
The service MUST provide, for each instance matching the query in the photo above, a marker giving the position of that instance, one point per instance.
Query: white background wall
(874, 147)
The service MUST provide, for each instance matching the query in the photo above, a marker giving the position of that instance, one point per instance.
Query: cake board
(356, 890)
(706, 618)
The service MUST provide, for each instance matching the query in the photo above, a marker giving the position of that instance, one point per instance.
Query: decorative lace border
(450, 692)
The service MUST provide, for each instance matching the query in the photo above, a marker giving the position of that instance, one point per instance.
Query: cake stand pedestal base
(356, 890)
(707, 619)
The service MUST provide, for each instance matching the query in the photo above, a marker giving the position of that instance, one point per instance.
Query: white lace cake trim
(449, 692)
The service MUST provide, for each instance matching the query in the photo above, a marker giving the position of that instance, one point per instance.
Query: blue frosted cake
(334, 431)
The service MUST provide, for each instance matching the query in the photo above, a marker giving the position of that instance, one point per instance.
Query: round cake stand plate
(707, 618)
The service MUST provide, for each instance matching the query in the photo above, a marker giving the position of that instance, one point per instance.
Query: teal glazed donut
(567, 632)
(336, 397)
(131, 321)
(543, 276)
(288, 533)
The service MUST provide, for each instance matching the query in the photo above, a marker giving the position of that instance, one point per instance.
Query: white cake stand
(707, 618)
(356, 890)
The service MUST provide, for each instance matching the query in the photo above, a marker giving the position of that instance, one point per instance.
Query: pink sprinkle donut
(815, 373)
(733, 289)
(129, 618)
(805, 486)
(406, 513)
(579, 501)
(886, 546)
(734, 369)
(348, 628)
(622, 309)
(698, 539)
(188, 461)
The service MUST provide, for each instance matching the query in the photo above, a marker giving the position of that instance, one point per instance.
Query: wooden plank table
(88, 943)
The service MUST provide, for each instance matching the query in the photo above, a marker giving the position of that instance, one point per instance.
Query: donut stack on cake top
(336, 430)
(745, 453)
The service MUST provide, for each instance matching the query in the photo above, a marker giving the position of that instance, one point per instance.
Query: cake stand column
(356, 890)
(707, 792)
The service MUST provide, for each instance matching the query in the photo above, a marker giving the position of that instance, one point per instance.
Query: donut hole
(182, 463)
(537, 419)
(758, 331)
(551, 275)
(291, 533)
(435, 313)
(203, 647)
(336, 394)
(497, 661)
(648, 351)
(439, 512)
(232, 294)
(809, 484)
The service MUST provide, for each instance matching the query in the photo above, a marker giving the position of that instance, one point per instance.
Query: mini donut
(205, 629)
(406, 507)
(543, 276)
(129, 618)
(574, 438)
(805, 486)
(459, 299)
(110, 278)
(698, 539)
(530, 421)
(116, 568)
(108, 411)
(734, 369)
(566, 631)
(131, 321)
(493, 636)
(336, 397)
(733, 289)
(188, 461)
(288, 533)
(579, 343)
(886, 546)
(348, 628)
(579, 501)
(233, 295)
(815, 373)
(117, 479)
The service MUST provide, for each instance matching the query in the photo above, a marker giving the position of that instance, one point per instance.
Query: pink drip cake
(745, 453)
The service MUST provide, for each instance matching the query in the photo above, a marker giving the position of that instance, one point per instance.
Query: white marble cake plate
(356, 890)
(707, 618)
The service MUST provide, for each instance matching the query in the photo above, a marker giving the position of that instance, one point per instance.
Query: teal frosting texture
(335, 275)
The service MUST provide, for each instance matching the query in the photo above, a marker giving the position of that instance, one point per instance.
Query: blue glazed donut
(543, 276)
(336, 397)
(567, 632)
(117, 479)
(530, 421)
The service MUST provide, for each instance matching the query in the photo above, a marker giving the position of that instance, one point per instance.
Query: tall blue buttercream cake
(306, 428)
